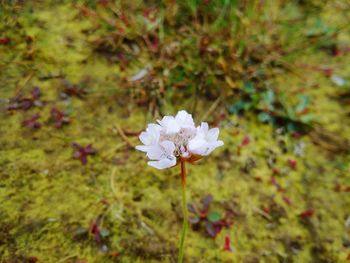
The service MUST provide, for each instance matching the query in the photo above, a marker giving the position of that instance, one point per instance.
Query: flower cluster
(177, 137)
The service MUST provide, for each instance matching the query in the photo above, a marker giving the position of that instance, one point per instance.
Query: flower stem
(184, 211)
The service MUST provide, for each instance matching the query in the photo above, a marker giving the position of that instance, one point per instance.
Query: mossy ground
(48, 200)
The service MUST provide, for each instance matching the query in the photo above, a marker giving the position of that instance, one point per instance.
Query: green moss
(48, 200)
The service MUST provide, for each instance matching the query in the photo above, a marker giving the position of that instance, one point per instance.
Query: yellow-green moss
(46, 196)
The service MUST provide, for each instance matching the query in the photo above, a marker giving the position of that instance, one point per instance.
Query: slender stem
(183, 173)
(184, 211)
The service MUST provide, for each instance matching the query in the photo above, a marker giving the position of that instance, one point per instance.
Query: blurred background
(79, 80)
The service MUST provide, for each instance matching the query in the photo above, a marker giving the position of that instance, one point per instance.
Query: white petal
(169, 124)
(154, 131)
(202, 151)
(163, 163)
(204, 127)
(142, 148)
(154, 128)
(184, 119)
(155, 152)
(168, 146)
(201, 146)
(212, 146)
(145, 138)
(219, 143)
(196, 143)
(213, 134)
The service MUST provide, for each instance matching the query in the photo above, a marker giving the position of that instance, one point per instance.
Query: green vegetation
(273, 75)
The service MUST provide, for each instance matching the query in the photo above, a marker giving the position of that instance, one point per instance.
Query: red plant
(245, 141)
(292, 163)
(73, 90)
(32, 122)
(82, 153)
(258, 178)
(307, 213)
(58, 117)
(277, 185)
(25, 103)
(287, 200)
(296, 135)
(227, 244)
(115, 254)
(104, 3)
(213, 221)
(4, 40)
(328, 71)
(95, 231)
(100, 234)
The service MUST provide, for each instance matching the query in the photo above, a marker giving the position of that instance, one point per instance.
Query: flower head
(177, 137)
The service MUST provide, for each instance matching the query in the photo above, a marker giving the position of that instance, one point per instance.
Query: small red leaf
(292, 163)
(32, 122)
(258, 178)
(287, 200)
(81, 152)
(227, 244)
(115, 254)
(328, 71)
(245, 141)
(4, 40)
(95, 230)
(307, 213)
(277, 185)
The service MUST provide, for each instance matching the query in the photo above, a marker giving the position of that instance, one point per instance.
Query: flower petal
(196, 143)
(168, 146)
(145, 138)
(155, 152)
(212, 146)
(163, 163)
(184, 119)
(204, 127)
(142, 148)
(213, 134)
(169, 124)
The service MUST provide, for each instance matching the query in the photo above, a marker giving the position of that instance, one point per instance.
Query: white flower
(177, 137)
(164, 154)
(149, 138)
(205, 140)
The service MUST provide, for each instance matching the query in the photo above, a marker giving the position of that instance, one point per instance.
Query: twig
(26, 80)
(66, 258)
(112, 181)
(211, 109)
(124, 137)
(261, 212)
(52, 76)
